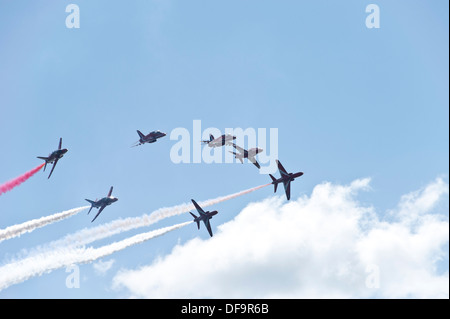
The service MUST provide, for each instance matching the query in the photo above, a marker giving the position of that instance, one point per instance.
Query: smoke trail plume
(168, 212)
(89, 235)
(69, 250)
(29, 226)
(19, 180)
(21, 270)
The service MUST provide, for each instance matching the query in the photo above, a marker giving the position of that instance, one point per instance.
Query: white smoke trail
(89, 235)
(169, 212)
(36, 265)
(70, 250)
(29, 226)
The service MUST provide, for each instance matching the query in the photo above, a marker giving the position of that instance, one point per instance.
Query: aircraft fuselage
(248, 154)
(289, 178)
(151, 137)
(105, 201)
(220, 141)
(208, 215)
(55, 155)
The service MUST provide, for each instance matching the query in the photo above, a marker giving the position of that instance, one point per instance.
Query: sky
(363, 112)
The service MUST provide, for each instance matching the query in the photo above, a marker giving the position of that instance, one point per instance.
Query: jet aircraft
(250, 154)
(102, 203)
(220, 141)
(204, 216)
(149, 138)
(286, 179)
(54, 157)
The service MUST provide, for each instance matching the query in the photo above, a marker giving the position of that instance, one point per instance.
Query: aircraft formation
(226, 139)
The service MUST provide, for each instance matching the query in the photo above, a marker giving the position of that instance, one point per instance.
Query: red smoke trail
(19, 180)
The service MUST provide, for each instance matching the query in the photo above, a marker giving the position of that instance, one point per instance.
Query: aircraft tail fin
(195, 219)
(92, 205)
(45, 159)
(275, 184)
(211, 137)
(140, 134)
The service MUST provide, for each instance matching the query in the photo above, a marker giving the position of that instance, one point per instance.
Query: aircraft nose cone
(65, 150)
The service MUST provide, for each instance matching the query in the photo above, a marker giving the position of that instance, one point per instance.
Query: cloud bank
(326, 245)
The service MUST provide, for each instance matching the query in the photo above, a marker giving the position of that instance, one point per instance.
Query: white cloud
(420, 202)
(326, 245)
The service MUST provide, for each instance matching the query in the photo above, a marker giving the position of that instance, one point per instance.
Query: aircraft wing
(60, 143)
(199, 209)
(240, 149)
(208, 226)
(282, 170)
(287, 189)
(140, 134)
(229, 140)
(99, 211)
(229, 137)
(110, 191)
(53, 167)
(254, 161)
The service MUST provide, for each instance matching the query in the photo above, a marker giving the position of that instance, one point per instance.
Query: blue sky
(349, 102)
